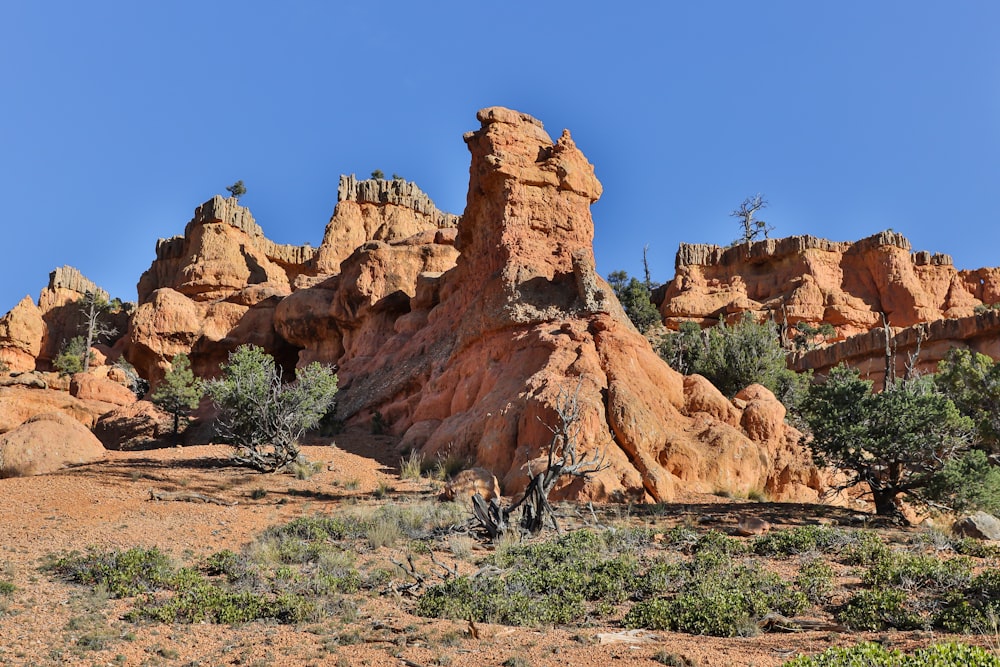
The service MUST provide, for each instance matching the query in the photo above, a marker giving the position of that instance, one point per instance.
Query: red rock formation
(46, 443)
(848, 285)
(477, 366)
(926, 344)
(21, 333)
(217, 287)
(929, 304)
(376, 210)
(211, 290)
(31, 336)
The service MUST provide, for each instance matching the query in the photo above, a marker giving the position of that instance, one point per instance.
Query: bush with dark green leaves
(180, 391)
(876, 655)
(718, 598)
(735, 356)
(897, 442)
(634, 297)
(71, 356)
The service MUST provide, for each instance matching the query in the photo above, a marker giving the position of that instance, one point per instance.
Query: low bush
(876, 655)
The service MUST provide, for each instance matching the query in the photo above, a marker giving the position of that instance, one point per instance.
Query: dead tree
(93, 307)
(563, 461)
(752, 228)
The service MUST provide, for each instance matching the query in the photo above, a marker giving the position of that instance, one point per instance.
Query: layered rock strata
(812, 280)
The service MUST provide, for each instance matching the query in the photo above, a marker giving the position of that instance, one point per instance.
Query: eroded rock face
(21, 334)
(18, 404)
(376, 210)
(140, 425)
(211, 290)
(32, 335)
(803, 278)
(926, 343)
(488, 350)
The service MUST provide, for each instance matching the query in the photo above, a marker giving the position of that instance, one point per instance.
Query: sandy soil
(108, 505)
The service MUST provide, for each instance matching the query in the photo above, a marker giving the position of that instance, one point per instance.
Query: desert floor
(108, 505)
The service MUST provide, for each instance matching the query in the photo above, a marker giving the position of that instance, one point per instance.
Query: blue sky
(119, 118)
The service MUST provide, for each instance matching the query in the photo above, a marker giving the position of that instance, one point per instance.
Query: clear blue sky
(119, 118)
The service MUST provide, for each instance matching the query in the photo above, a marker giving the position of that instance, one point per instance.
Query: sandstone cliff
(803, 278)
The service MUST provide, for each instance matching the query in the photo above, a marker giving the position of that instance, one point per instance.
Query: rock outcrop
(211, 290)
(484, 355)
(376, 210)
(46, 443)
(923, 345)
(812, 280)
(218, 286)
(930, 306)
(31, 335)
(21, 333)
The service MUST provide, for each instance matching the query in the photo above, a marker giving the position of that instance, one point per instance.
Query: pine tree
(180, 391)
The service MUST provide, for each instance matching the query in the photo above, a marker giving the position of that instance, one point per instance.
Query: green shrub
(875, 655)
(718, 598)
(815, 580)
(800, 540)
(919, 572)
(879, 609)
(70, 358)
(123, 574)
(263, 417)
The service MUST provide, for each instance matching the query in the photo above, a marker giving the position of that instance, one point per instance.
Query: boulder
(18, 404)
(140, 425)
(21, 333)
(46, 443)
(979, 525)
(468, 483)
(91, 386)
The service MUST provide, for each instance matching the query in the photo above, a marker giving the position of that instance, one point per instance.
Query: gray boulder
(980, 525)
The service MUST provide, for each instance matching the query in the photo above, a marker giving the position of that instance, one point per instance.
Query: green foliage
(896, 441)
(800, 540)
(180, 391)
(237, 190)
(972, 381)
(718, 598)
(262, 416)
(967, 482)
(815, 580)
(733, 357)
(123, 574)
(634, 295)
(878, 609)
(684, 349)
(806, 334)
(378, 175)
(875, 655)
(7, 588)
(71, 356)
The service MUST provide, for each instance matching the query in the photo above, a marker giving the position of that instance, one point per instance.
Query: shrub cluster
(875, 655)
